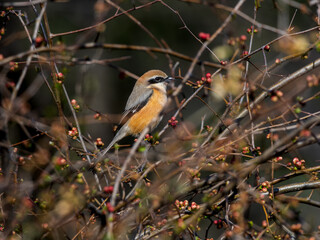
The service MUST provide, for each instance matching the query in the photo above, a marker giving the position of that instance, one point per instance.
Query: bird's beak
(168, 79)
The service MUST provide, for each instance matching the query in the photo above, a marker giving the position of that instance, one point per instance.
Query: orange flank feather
(149, 114)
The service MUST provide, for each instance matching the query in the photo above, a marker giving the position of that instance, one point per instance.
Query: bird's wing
(139, 94)
(138, 99)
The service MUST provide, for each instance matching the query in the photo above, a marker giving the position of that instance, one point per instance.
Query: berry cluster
(60, 161)
(108, 189)
(278, 159)
(59, 77)
(75, 105)
(264, 187)
(209, 128)
(184, 205)
(218, 223)
(13, 66)
(255, 151)
(252, 29)
(240, 40)
(148, 138)
(173, 122)
(10, 84)
(297, 164)
(276, 96)
(73, 133)
(110, 208)
(206, 79)
(313, 80)
(97, 116)
(99, 143)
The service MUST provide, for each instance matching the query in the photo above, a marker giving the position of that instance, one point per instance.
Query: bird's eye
(156, 80)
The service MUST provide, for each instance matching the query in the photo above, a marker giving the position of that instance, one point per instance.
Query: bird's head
(155, 79)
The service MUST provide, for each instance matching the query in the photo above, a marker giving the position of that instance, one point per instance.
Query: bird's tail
(123, 132)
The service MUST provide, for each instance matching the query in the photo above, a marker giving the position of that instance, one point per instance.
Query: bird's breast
(149, 114)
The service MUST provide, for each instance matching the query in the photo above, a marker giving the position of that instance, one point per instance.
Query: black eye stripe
(156, 80)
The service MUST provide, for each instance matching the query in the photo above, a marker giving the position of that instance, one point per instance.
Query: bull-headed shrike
(145, 103)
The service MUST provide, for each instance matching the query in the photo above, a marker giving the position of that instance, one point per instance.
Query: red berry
(61, 161)
(97, 116)
(267, 48)
(38, 41)
(60, 77)
(110, 207)
(173, 122)
(73, 102)
(274, 98)
(243, 37)
(245, 53)
(204, 36)
(108, 189)
(295, 160)
(223, 63)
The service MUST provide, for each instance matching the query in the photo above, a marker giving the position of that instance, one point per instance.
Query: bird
(145, 105)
